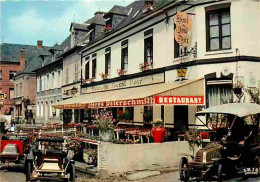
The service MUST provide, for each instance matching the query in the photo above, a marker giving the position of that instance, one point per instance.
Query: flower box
(107, 28)
(103, 75)
(145, 66)
(121, 72)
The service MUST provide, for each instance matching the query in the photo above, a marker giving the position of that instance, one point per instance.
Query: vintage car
(236, 149)
(48, 160)
(13, 147)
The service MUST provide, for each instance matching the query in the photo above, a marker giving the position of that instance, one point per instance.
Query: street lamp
(73, 91)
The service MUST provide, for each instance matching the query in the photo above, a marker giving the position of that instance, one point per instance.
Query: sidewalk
(169, 175)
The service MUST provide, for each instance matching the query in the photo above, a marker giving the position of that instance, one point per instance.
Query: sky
(26, 21)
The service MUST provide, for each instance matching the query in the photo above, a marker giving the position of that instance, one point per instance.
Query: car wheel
(184, 169)
(72, 173)
(28, 172)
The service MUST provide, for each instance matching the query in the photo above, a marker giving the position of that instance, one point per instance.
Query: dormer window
(108, 26)
(148, 6)
(92, 34)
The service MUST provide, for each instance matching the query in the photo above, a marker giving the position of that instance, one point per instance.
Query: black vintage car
(236, 149)
(48, 160)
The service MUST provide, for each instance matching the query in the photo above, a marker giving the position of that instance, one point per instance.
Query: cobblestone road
(14, 174)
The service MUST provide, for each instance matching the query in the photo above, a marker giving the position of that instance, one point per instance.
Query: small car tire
(184, 173)
(28, 172)
(72, 173)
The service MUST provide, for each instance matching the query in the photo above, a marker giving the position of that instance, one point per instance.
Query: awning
(144, 95)
(237, 109)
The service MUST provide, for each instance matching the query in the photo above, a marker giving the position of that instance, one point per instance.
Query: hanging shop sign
(179, 100)
(183, 24)
(182, 72)
(135, 82)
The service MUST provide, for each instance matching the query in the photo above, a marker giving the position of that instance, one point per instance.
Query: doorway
(181, 118)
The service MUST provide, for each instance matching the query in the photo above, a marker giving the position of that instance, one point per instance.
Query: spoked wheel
(28, 172)
(220, 172)
(184, 169)
(72, 173)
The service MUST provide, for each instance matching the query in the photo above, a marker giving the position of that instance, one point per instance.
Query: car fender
(186, 155)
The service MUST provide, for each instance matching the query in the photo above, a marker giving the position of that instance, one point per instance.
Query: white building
(48, 84)
(223, 50)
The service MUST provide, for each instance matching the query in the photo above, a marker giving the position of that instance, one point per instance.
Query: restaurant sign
(179, 100)
(135, 82)
(122, 103)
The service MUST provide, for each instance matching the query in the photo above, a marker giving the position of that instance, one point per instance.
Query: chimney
(39, 44)
(22, 58)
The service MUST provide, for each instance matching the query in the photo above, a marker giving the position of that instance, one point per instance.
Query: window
(38, 84)
(124, 55)
(87, 68)
(1, 77)
(218, 29)
(41, 109)
(76, 72)
(92, 35)
(129, 113)
(67, 76)
(57, 112)
(108, 61)
(148, 47)
(16, 90)
(11, 93)
(52, 81)
(59, 79)
(47, 82)
(11, 75)
(51, 109)
(21, 89)
(218, 94)
(38, 109)
(42, 83)
(148, 114)
(162, 112)
(94, 67)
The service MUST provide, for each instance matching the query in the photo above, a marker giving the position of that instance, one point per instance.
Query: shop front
(139, 102)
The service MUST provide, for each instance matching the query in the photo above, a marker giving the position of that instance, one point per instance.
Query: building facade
(13, 59)
(138, 53)
(48, 84)
(25, 86)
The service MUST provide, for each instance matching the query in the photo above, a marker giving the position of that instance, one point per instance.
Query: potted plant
(128, 115)
(103, 75)
(107, 28)
(193, 138)
(144, 66)
(90, 80)
(90, 156)
(105, 124)
(237, 88)
(121, 115)
(147, 116)
(158, 131)
(120, 72)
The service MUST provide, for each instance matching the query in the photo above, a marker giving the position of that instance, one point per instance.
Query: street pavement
(14, 173)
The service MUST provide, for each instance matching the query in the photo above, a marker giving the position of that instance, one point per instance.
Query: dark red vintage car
(13, 147)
